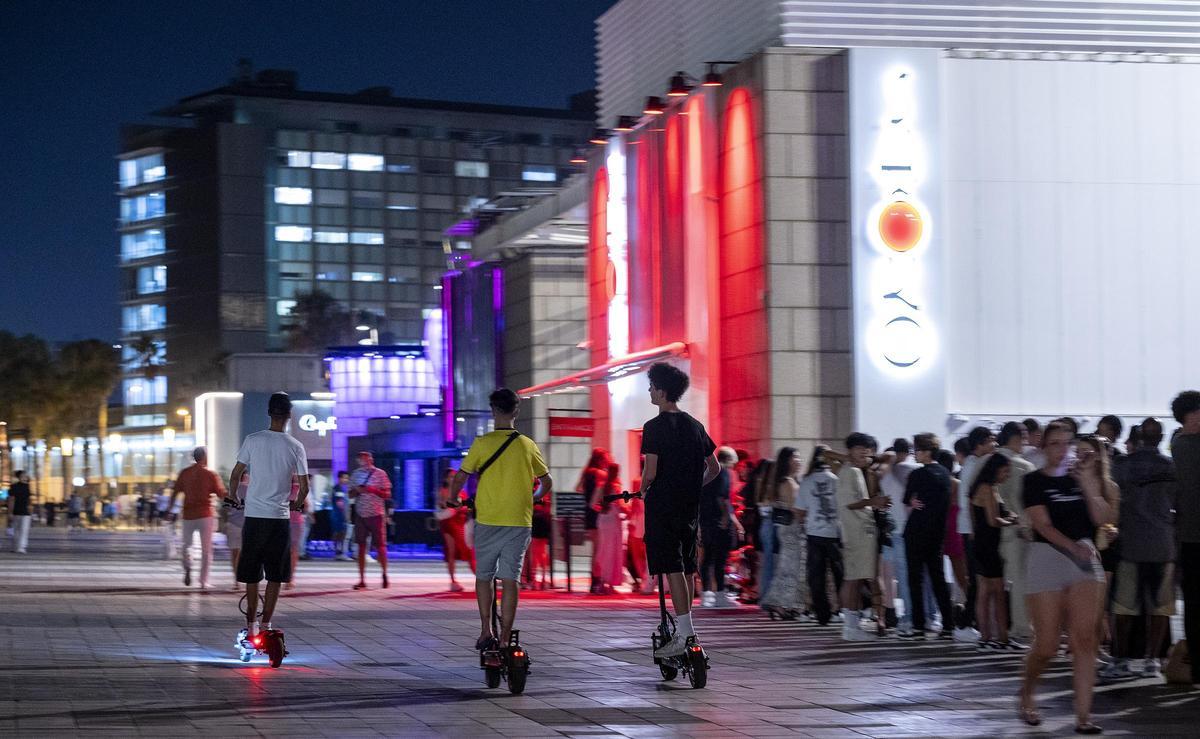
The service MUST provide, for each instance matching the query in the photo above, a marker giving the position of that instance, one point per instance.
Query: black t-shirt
(19, 492)
(681, 445)
(931, 485)
(1065, 502)
(712, 510)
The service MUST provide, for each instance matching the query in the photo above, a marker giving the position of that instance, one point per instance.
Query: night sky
(72, 72)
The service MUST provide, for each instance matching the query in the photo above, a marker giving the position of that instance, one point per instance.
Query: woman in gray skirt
(1065, 504)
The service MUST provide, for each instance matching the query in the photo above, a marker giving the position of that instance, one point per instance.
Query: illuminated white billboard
(897, 256)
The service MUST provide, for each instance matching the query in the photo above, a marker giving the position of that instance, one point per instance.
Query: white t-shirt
(818, 496)
(271, 457)
(893, 484)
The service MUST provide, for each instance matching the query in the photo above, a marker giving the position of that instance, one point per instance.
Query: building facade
(260, 192)
(888, 225)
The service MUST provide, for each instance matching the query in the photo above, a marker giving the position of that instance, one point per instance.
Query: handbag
(782, 516)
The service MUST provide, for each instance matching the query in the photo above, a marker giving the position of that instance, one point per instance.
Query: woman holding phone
(1063, 572)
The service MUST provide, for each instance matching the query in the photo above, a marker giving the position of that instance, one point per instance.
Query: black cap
(279, 405)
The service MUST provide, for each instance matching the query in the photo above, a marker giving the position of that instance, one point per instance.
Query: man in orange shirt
(198, 485)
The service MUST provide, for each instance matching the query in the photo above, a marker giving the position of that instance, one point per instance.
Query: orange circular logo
(900, 226)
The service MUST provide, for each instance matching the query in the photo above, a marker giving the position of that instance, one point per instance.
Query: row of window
(143, 207)
(146, 419)
(375, 163)
(131, 361)
(147, 317)
(306, 233)
(405, 254)
(356, 198)
(145, 390)
(477, 137)
(142, 170)
(341, 290)
(142, 244)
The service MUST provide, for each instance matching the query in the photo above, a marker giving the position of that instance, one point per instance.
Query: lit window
(366, 237)
(149, 168)
(146, 419)
(299, 159)
(143, 207)
(328, 160)
(142, 244)
(470, 169)
(132, 361)
(151, 279)
(539, 173)
(331, 237)
(328, 272)
(293, 233)
(402, 201)
(145, 390)
(401, 168)
(366, 162)
(283, 308)
(135, 318)
(293, 195)
(366, 276)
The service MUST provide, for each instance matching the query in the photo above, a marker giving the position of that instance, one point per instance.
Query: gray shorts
(1047, 569)
(500, 551)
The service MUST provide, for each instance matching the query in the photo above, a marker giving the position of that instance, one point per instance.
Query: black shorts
(671, 540)
(1110, 557)
(266, 549)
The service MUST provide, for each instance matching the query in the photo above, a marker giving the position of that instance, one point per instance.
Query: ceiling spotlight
(712, 78)
(599, 137)
(654, 106)
(625, 123)
(679, 86)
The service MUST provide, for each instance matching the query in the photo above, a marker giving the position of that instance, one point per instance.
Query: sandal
(1029, 715)
(361, 586)
(1088, 728)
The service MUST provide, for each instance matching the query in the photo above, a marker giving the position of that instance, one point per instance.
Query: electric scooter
(269, 642)
(693, 663)
(508, 662)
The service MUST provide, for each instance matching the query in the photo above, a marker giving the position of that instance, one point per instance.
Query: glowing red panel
(744, 383)
(597, 271)
(900, 226)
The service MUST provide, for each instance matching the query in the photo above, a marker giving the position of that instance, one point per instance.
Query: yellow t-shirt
(505, 494)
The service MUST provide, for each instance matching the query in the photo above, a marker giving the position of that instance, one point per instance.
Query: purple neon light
(447, 378)
(498, 314)
(465, 227)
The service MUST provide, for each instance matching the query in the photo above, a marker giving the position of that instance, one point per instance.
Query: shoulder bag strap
(496, 455)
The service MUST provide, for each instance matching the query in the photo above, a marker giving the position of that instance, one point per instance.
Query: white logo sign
(309, 422)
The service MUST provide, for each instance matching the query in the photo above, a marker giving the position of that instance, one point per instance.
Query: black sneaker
(187, 577)
(889, 618)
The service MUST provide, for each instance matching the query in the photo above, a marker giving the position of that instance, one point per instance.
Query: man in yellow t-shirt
(507, 464)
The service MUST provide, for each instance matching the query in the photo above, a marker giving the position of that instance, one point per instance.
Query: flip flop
(484, 642)
(1088, 728)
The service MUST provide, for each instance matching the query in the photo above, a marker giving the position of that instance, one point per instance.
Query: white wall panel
(1156, 26)
(1071, 247)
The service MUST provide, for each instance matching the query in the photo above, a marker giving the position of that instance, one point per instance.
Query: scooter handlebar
(625, 496)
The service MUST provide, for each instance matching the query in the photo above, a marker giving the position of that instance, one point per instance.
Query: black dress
(988, 562)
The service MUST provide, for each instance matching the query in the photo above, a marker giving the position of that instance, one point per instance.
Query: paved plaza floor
(98, 636)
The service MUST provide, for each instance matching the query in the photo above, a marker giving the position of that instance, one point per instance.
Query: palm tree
(146, 350)
(87, 371)
(28, 397)
(318, 321)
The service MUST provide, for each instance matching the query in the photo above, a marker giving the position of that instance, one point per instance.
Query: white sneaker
(708, 599)
(728, 600)
(1151, 668)
(966, 635)
(673, 648)
(1118, 669)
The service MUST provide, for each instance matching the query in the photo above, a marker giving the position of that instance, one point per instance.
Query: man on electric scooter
(272, 457)
(678, 462)
(506, 463)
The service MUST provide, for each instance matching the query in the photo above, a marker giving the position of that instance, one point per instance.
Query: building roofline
(188, 106)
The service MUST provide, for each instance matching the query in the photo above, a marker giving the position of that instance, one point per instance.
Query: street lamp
(372, 333)
(186, 415)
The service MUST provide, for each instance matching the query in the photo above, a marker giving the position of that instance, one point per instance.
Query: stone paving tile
(98, 638)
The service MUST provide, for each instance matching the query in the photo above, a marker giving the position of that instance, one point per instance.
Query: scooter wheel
(492, 676)
(668, 672)
(697, 669)
(275, 651)
(244, 656)
(516, 680)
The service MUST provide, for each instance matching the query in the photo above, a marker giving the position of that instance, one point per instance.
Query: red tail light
(518, 654)
(696, 649)
(258, 640)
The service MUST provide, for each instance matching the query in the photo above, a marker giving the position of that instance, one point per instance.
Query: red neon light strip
(609, 371)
